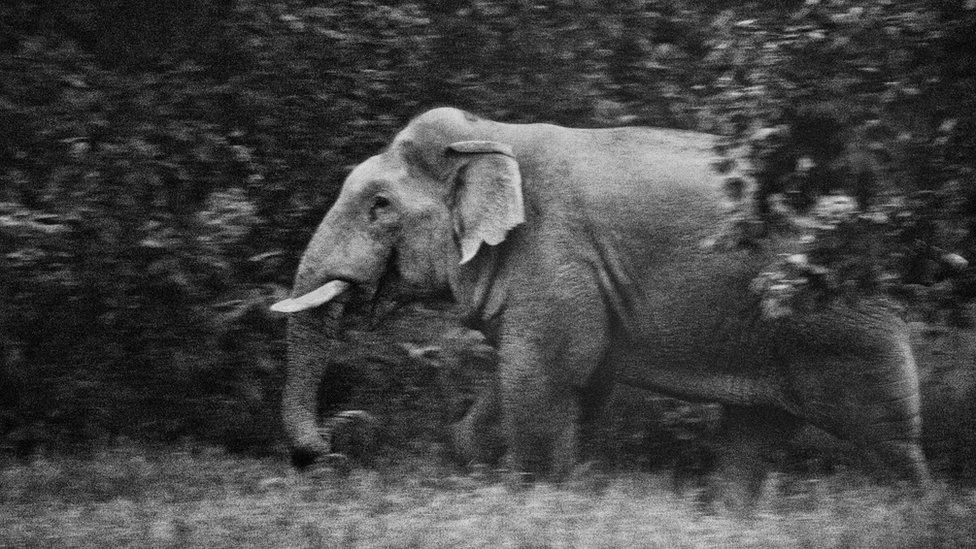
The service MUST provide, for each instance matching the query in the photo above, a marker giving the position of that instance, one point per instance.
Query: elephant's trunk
(316, 339)
(308, 357)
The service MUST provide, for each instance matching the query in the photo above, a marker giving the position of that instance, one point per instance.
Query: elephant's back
(639, 161)
(654, 188)
(606, 161)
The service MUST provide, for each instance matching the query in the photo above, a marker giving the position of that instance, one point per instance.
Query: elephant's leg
(552, 423)
(477, 437)
(542, 424)
(873, 402)
(747, 440)
(593, 400)
(891, 444)
(542, 398)
(550, 352)
(891, 449)
(907, 457)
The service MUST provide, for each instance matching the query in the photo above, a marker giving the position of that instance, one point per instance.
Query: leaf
(153, 243)
(950, 123)
(955, 261)
(75, 81)
(265, 256)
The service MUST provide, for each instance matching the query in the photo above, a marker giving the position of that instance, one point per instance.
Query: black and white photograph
(488, 273)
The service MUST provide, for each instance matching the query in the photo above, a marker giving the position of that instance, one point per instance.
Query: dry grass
(187, 499)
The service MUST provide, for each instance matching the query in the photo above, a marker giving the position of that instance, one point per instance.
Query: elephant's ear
(487, 196)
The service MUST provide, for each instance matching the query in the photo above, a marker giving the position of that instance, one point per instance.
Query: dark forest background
(163, 163)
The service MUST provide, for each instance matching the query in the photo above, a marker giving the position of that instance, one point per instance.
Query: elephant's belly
(700, 377)
(696, 332)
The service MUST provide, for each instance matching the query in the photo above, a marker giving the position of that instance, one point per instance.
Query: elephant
(583, 256)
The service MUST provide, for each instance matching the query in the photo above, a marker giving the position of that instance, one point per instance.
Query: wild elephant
(579, 253)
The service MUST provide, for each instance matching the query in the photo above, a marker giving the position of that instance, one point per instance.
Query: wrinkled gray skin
(579, 254)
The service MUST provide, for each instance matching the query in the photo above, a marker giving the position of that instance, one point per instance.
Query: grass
(128, 498)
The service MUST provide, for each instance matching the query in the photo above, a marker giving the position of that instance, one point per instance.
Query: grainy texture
(131, 499)
(162, 164)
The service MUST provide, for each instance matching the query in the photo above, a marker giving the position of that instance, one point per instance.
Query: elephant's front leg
(477, 437)
(545, 380)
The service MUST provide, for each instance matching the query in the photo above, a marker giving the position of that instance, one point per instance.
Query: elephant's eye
(380, 204)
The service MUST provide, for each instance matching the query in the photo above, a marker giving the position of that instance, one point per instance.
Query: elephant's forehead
(378, 170)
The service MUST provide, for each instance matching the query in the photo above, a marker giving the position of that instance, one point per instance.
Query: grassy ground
(198, 499)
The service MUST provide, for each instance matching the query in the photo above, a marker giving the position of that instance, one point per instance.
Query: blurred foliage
(163, 164)
(852, 125)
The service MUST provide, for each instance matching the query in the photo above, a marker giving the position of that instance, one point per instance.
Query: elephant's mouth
(372, 300)
(382, 298)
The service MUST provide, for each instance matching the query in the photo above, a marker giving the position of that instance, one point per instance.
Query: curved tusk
(312, 299)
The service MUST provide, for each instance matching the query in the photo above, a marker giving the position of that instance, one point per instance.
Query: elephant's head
(411, 214)
(417, 210)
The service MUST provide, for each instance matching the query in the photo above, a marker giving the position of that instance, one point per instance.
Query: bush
(852, 124)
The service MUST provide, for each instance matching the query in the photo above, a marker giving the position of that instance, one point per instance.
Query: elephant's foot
(906, 458)
(304, 458)
(472, 446)
(592, 476)
(346, 437)
(328, 465)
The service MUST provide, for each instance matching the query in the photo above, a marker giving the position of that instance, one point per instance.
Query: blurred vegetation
(851, 124)
(163, 163)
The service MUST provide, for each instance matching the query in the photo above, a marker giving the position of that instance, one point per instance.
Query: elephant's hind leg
(907, 457)
(892, 432)
(871, 400)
